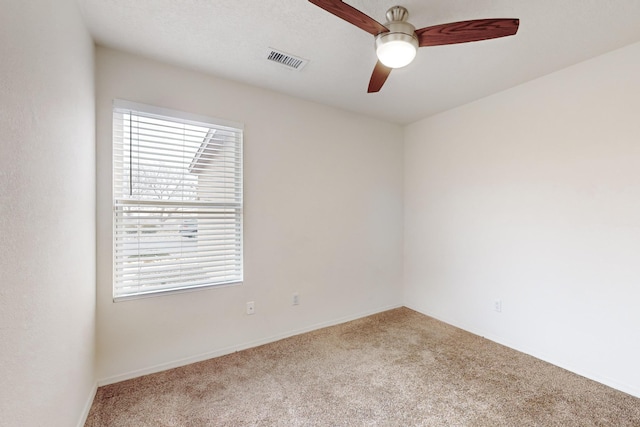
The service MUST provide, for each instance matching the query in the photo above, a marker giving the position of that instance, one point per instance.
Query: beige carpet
(397, 368)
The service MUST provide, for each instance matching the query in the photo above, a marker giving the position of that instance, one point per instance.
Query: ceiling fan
(397, 41)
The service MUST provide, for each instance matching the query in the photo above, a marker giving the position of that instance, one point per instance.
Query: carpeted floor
(397, 368)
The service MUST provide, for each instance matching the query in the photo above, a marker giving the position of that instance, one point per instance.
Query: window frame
(120, 202)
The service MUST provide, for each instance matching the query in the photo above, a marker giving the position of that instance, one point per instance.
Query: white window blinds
(177, 205)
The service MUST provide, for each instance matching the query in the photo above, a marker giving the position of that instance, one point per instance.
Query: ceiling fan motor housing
(401, 38)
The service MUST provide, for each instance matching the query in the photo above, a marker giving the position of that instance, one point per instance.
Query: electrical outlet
(497, 306)
(251, 307)
(296, 299)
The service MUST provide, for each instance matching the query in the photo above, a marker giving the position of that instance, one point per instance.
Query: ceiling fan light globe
(396, 54)
(395, 49)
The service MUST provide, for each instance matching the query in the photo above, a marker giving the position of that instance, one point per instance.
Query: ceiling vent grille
(286, 60)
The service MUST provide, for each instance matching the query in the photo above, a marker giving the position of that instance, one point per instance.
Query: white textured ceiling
(230, 39)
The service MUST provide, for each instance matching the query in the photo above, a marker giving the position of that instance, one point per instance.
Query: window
(177, 201)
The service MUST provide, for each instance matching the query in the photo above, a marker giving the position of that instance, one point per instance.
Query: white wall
(532, 196)
(47, 214)
(323, 217)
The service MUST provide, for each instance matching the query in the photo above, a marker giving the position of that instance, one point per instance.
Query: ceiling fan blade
(378, 77)
(467, 31)
(352, 15)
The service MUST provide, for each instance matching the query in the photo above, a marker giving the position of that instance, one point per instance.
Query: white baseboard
(626, 388)
(87, 406)
(232, 349)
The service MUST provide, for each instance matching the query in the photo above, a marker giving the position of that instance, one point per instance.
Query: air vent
(286, 60)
